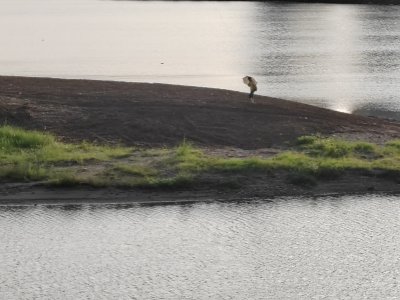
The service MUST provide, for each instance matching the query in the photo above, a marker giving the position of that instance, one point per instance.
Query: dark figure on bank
(252, 83)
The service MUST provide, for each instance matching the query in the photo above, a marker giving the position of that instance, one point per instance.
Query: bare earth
(221, 121)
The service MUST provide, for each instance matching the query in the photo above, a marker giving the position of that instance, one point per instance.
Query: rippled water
(344, 57)
(329, 248)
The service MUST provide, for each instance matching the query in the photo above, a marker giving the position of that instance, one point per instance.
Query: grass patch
(336, 148)
(187, 158)
(33, 156)
(394, 145)
(18, 145)
(137, 170)
(316, 158)
(320, 157)
(13, 138)
(24, 172)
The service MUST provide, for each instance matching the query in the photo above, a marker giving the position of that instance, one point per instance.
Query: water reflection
(376, 112)
(327, 54)
(338, 56)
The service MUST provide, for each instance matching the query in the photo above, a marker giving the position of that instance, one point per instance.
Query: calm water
(331, 248)
(344, 57)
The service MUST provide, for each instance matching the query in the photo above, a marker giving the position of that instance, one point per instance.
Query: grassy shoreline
(32, 156)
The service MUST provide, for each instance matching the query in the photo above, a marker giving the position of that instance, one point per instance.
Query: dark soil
(243, 188)
(159, 114)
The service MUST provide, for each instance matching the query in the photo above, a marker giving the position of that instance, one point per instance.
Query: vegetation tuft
(335, 148)
(35, 156)
(32, 155)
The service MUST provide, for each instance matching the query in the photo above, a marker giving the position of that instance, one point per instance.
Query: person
(252, 83)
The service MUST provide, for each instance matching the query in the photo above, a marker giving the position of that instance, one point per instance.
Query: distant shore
(376, 2)
(220, 122)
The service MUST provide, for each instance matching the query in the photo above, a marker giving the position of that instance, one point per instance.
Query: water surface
(343, 57)
(324, 248)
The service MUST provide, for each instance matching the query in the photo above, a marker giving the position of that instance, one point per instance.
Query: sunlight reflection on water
(344, 57)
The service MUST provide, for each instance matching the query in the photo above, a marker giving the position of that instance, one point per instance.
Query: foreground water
(343, 57)
(326, 248)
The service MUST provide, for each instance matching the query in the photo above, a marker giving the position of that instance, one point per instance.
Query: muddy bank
(163, 115)
(264, 187)
(223, 123)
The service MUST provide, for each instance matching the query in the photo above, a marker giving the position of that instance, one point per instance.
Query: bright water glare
(343, 57)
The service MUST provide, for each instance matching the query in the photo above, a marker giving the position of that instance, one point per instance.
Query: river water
(323, 248)
(343, 57)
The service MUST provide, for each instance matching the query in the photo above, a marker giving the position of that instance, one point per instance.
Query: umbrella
(252, 83)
